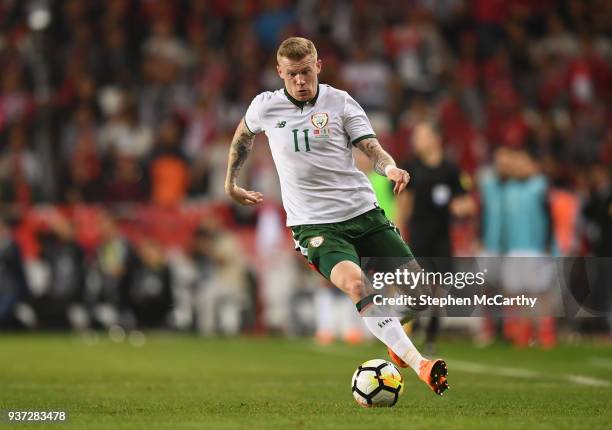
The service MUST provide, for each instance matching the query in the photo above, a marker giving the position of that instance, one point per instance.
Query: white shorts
(527, 272)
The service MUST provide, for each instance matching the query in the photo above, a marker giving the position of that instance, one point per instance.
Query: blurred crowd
(130, 100)
(134, 101)
(125, 283)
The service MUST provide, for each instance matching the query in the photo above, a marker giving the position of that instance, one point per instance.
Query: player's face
(301, 77)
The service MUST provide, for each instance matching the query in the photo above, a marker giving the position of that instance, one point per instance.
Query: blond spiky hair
(296, 48)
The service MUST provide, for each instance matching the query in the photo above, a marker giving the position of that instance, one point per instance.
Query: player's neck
(302, 103)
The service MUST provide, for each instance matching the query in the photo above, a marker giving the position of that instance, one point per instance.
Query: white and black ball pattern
(377, 383)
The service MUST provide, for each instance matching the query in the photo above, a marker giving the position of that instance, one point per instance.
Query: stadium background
(115, 121)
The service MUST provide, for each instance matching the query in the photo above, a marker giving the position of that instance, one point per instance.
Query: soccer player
(330, 205)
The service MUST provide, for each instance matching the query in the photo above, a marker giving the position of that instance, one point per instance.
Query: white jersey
(311, 146)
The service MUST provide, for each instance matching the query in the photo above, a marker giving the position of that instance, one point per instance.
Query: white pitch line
(511, 372)
(586, 380)
(514, 372)
(473, 367)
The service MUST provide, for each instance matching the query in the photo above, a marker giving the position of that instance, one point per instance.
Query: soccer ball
(377, 383)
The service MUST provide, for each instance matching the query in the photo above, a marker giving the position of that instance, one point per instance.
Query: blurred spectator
(203, 125)
(80, 134)
(16, 101)
(125, 144)
(327, 18)
(598, 214)
(148, 294)
(20, 169)
(14, 289)
(488, 17)
(162, 93)
(122, 135)
(526, 228)
(163, 44)
(110, 277)
(491, 184)
(222, 297)
(598, 210)
(588, 75)
(78, 90)
(59, 302)
(81, 161)
(557, 41)
(119, 64)
(416, 46)
(434, 194)
(367, 78)
(191, 272)
(126, 181)
(588, 133)
(168, 168)
(278, 270)
(492, 181)
(527, 237)
(272, 20)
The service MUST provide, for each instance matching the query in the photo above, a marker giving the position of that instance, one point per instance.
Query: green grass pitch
(187, 382)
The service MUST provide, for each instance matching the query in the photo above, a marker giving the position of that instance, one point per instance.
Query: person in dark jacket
(13, 284)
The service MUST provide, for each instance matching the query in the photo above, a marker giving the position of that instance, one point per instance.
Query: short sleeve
(356, 123)
(251, 118)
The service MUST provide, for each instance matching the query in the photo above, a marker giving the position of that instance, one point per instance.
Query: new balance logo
(384, 323)
(281, 124)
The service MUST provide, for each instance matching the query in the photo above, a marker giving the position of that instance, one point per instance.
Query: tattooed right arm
(242, 142)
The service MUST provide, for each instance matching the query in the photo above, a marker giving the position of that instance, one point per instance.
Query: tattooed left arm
(383, 163)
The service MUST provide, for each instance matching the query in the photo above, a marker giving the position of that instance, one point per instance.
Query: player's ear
(318, 65)
(279, 71)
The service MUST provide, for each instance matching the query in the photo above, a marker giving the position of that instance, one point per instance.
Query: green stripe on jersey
(247, 126)
(359, 139)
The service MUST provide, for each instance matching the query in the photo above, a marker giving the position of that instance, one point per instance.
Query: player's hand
(244, 197)
(400, 177)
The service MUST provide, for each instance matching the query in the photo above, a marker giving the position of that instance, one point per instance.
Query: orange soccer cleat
(434, 373)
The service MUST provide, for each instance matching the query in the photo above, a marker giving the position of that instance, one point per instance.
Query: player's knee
(348, 278)
(353, 287)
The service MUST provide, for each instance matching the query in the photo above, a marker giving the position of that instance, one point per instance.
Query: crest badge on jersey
(316, 241)
(319, 120)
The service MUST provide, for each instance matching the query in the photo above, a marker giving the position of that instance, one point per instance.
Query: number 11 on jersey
(295, 139)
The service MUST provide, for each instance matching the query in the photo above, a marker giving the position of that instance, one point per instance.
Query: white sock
(390, 332)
